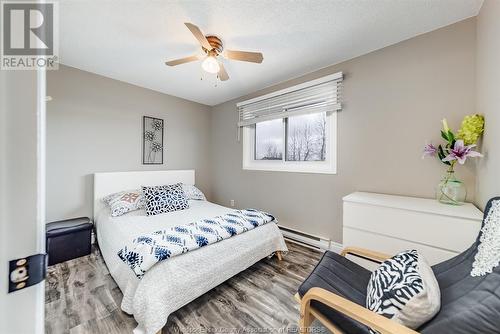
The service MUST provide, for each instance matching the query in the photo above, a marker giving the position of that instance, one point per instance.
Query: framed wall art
(152, 140)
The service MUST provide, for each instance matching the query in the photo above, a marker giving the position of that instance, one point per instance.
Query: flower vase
(451, 190)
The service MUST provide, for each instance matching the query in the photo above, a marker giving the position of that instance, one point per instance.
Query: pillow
(124, 201)
(193, 193)
(404, 289)
(162, 199)
(488, 251)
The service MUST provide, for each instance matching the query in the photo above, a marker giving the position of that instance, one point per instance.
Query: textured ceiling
(131, 40)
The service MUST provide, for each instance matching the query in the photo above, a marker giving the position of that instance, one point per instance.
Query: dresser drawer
(449, 233)
(391, 246)
(390, 224)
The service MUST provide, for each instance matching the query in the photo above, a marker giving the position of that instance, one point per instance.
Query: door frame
(41, 189)
(22, 206)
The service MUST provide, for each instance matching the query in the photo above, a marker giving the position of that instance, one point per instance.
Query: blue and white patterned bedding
(147, 250)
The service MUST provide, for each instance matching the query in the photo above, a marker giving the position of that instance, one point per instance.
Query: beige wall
(95, 124)
(488, 99)
(394, 100)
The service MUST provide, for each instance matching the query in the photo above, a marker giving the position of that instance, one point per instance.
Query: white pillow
(488, 252)
(124, 201)
(405, 290)
(193, 193)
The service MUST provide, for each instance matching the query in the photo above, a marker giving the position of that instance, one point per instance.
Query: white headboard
(108, 183)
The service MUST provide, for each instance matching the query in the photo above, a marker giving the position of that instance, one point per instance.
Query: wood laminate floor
(82, 297)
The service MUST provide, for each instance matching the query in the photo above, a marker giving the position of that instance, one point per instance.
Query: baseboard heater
(305, 239)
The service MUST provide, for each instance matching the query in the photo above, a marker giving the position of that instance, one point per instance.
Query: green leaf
(444, 135)
(442, 155)
(441, 151)
(451, 136)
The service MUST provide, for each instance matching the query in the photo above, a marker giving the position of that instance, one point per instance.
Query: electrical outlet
(232, 203)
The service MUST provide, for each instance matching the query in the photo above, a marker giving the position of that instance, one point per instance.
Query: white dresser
(389, 224)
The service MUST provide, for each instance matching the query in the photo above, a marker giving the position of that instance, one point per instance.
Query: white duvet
(173, 283)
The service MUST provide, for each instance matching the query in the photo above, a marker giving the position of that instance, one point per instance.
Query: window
(293, 130)
(269, 140)
(306, 137)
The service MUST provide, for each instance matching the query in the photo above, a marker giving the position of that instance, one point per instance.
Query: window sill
(290, 170)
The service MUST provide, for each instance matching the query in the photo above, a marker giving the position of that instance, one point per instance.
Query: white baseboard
(336, 247)
(304, 245)
(307, 239)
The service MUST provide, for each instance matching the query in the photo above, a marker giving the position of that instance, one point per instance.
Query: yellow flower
(472, 128)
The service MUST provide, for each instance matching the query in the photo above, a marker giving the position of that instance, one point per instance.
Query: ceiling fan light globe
(210, 65)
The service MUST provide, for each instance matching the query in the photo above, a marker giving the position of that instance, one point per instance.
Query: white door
(22, 192)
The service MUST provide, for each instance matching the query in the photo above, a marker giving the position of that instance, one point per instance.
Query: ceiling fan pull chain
(201, 74)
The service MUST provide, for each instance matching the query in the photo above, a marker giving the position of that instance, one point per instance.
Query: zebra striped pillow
(404, 289)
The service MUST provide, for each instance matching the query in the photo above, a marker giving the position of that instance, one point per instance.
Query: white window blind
(320, 95)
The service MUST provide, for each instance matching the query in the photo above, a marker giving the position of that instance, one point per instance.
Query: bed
(175, 282)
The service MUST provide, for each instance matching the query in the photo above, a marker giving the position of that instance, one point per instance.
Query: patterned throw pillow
(162, 199)
(124, 201)
(193, 193)
(404, 289)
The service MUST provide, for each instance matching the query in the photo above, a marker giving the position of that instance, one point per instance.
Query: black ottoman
(68, 239)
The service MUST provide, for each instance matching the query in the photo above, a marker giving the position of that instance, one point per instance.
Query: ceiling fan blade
(222, 73)
(179, 61)
(199, 35)
(254, 57)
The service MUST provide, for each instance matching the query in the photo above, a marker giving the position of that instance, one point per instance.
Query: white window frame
(329, 166)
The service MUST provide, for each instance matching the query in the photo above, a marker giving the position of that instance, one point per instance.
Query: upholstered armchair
(335, 294)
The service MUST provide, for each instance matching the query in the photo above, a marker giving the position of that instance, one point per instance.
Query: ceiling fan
(213, 48)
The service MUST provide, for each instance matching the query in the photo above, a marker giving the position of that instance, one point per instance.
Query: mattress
(173, 283)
